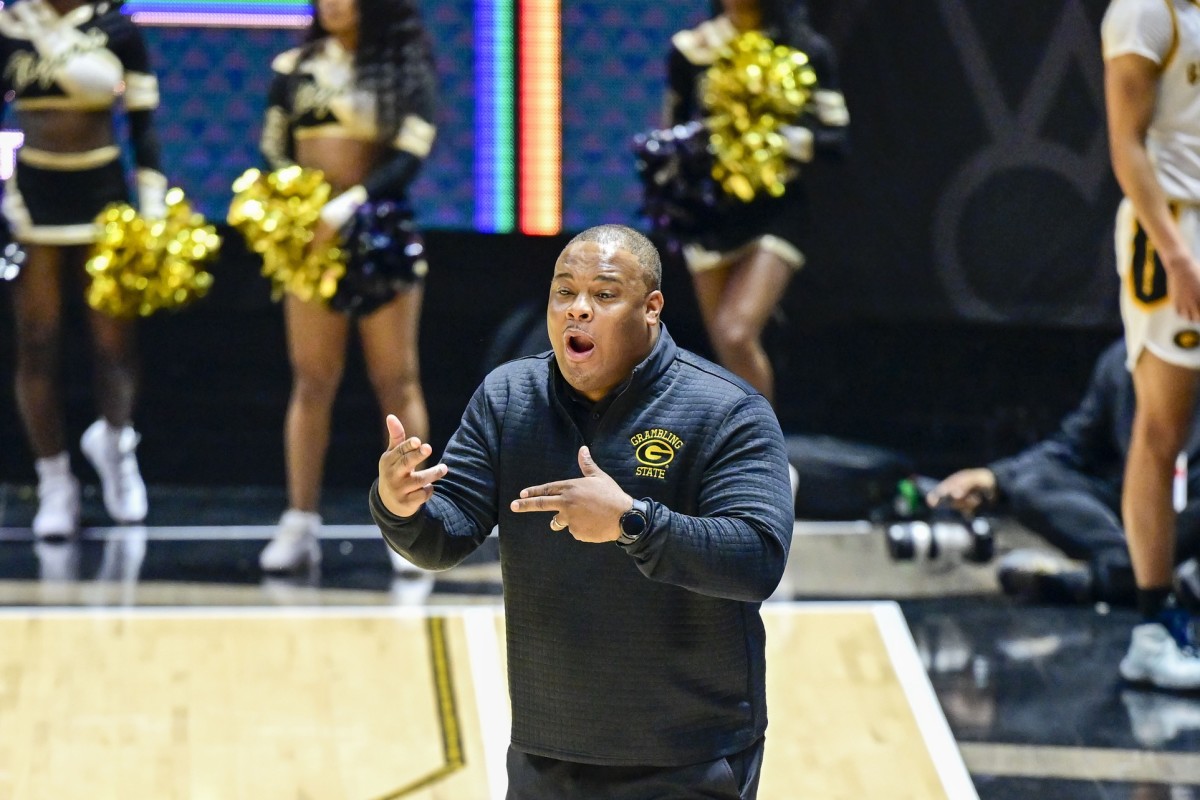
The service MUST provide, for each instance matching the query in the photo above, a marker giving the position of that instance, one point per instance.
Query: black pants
(732, 777)
(1081, 516)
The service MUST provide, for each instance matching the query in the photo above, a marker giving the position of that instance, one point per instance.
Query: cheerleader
(355, 102)
(67, 67)
(742, 258)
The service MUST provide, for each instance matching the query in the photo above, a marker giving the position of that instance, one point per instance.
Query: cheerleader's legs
(389, 340)
(116, 367)
(737, 297)
(37, 312)
(317, 350)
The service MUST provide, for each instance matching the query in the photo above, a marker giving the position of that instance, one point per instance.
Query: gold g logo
(655, 452)
(1187, 340)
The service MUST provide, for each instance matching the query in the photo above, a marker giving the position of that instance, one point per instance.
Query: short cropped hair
(625, 237)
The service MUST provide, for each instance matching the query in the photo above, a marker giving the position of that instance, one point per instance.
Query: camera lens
(983, 542)
(946, 539)
(900, 543)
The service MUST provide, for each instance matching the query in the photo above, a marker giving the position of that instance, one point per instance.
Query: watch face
(633, 523)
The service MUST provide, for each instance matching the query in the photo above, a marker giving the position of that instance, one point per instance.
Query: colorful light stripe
(540, 115)
(494, 161)
(507, 137)
(221, 13)
(247, 6)
(205, 19)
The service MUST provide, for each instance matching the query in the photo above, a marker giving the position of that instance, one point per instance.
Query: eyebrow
(601, 277)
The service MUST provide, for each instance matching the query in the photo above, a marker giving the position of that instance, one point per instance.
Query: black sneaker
(1035, 576)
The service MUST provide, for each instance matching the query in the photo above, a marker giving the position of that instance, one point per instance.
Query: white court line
(823, 606)
(491, 696)
(813, 527)
(186, 533)
(200, 612)
(947, 759)
(183, 533)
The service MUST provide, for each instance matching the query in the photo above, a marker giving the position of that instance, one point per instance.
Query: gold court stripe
(451, 729)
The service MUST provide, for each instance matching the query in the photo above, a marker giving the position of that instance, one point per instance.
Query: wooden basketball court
(368, 703)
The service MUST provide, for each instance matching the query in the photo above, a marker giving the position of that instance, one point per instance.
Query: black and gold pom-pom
(140, 266)
(753, 88)
(277, 213)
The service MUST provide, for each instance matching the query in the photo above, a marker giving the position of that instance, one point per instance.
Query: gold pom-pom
(277, 212)
(139, 265)
(753, 88)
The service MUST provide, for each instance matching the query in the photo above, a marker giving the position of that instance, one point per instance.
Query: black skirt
(385, 256)
(60, 206)
(740, 224)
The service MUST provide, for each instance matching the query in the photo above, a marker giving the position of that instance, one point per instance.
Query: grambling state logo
(654, 450)
(1187, 340)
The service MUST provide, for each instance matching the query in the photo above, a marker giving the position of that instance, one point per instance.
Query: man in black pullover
(645, 513)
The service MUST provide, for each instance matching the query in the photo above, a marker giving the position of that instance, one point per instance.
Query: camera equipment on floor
(946, 535)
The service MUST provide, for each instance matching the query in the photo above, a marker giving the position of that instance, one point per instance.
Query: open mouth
(580, 344)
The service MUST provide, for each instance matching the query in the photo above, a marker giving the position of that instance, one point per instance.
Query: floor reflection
(1157, 719)
(115, 580)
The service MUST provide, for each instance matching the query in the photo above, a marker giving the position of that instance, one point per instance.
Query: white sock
(110, 430)
(55, 466)
(309, 517)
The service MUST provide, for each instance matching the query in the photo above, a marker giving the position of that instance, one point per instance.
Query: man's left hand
(589, 508)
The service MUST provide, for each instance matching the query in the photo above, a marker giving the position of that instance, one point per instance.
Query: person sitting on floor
(1067, 489)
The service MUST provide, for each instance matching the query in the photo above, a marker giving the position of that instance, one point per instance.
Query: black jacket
(647, 655)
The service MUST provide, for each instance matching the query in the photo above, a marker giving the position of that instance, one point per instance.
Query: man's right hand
(402, 487)
(966, 490)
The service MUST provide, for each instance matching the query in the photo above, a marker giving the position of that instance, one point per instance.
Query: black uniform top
(651, 654)
(314, 93)
(40, 76)
(1094, 438)
(693, 51)
(734, 224)
(83, 60)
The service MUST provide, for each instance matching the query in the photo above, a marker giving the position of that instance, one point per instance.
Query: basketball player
(1152, 62)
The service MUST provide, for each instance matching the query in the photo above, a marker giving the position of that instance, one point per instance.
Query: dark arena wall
(960, 278)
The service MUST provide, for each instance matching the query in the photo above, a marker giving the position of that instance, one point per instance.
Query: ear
(654, 305)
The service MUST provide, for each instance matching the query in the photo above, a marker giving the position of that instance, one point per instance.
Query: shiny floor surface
(1029, 693)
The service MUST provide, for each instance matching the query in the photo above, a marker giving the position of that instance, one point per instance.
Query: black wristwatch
(634, 522)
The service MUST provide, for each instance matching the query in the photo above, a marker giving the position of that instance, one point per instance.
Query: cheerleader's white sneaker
(296, 543)
(111, 452)
(57, 515)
